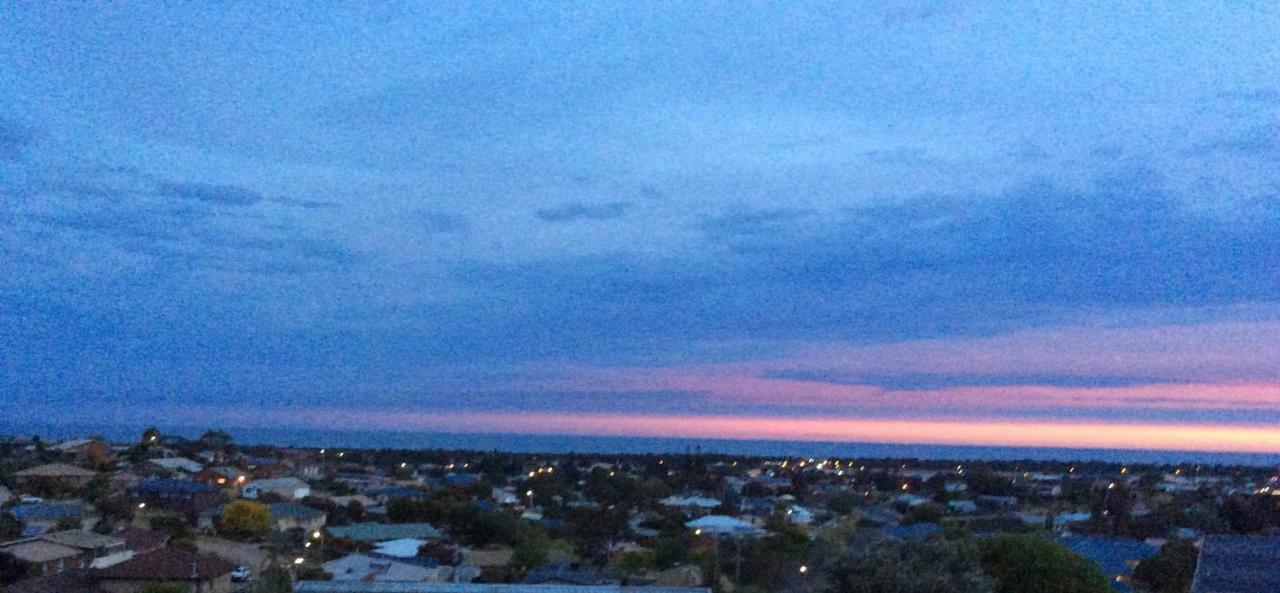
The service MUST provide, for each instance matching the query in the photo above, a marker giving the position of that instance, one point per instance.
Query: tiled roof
(55, 470)
(1238, 564)
(71, 581)
(162, 485)
(38, 551)
(167, 564)
(390, 587)
(142, 541)
(48, 511)
(376, 532)
(85, 540)
(293, 510)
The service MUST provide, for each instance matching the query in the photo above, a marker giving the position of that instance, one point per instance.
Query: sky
(1035, 224)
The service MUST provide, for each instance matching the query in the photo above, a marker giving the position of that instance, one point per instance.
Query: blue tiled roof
(398, 492)
(1238, 563)
(48, 511)
(461, 479)
(1112, 555)
(170, 486)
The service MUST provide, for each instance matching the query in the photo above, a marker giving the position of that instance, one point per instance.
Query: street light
(298, 560)
(529, 493)
(803, 569)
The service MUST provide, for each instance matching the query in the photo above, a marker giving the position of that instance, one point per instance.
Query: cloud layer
(869, 217)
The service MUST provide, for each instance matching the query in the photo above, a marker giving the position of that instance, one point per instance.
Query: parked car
(241, 574)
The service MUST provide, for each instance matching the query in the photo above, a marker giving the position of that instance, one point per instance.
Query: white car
(240, 574)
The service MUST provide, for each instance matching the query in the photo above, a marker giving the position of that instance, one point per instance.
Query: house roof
(1233, 564)
(358, 567)
(71, 581)
(36, 551)
(170, 486)
(1112, 555)
(390, 587)
(84, 540)
(167, 564)
(178, 463)
(399, 548)
(55, 470)
(293, 510)
(48, 511)
(723, 524)
(288, 482)
(569, 574)
(142, 541)
(377, 532)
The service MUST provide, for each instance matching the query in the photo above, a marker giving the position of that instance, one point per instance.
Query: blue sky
(469, 207)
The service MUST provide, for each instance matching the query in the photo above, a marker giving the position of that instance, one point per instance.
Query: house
(1116, 557)
(564, 573)
(141, 541)
(291, 515)
(99, 550)
(86, 451)
(380, 532)
(199, 573)
(42, 516)
(505, 496)
(288, 488)
(178, 465)
(66, 476)
(399, 548)
(691, 503)
(221, 477)
(69, 581)
(45, 557)
(336, 586)
(188, 497)
(366, 568)
(1230, 564)
(384, 495)
(799, 515)
(723, 525)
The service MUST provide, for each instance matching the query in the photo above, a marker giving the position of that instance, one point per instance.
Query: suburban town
(206, 515)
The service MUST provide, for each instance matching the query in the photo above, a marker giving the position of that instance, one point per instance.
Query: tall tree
(1171, 570)
(1030, 564)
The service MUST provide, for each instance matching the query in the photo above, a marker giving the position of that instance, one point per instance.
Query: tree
(175, 527)
(931, 566)
(217, 440)
(275, 580)
(10, 527)
(1170, 570)
(1029, 564)
(533, 550)
(12, 570)
(246, 517)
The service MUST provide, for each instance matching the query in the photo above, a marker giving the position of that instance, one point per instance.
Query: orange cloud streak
(1171, 436)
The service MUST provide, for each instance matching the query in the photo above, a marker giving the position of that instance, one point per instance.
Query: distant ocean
(541, 443)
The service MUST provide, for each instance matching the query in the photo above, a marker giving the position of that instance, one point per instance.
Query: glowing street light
(803, 569)
(298, 560)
